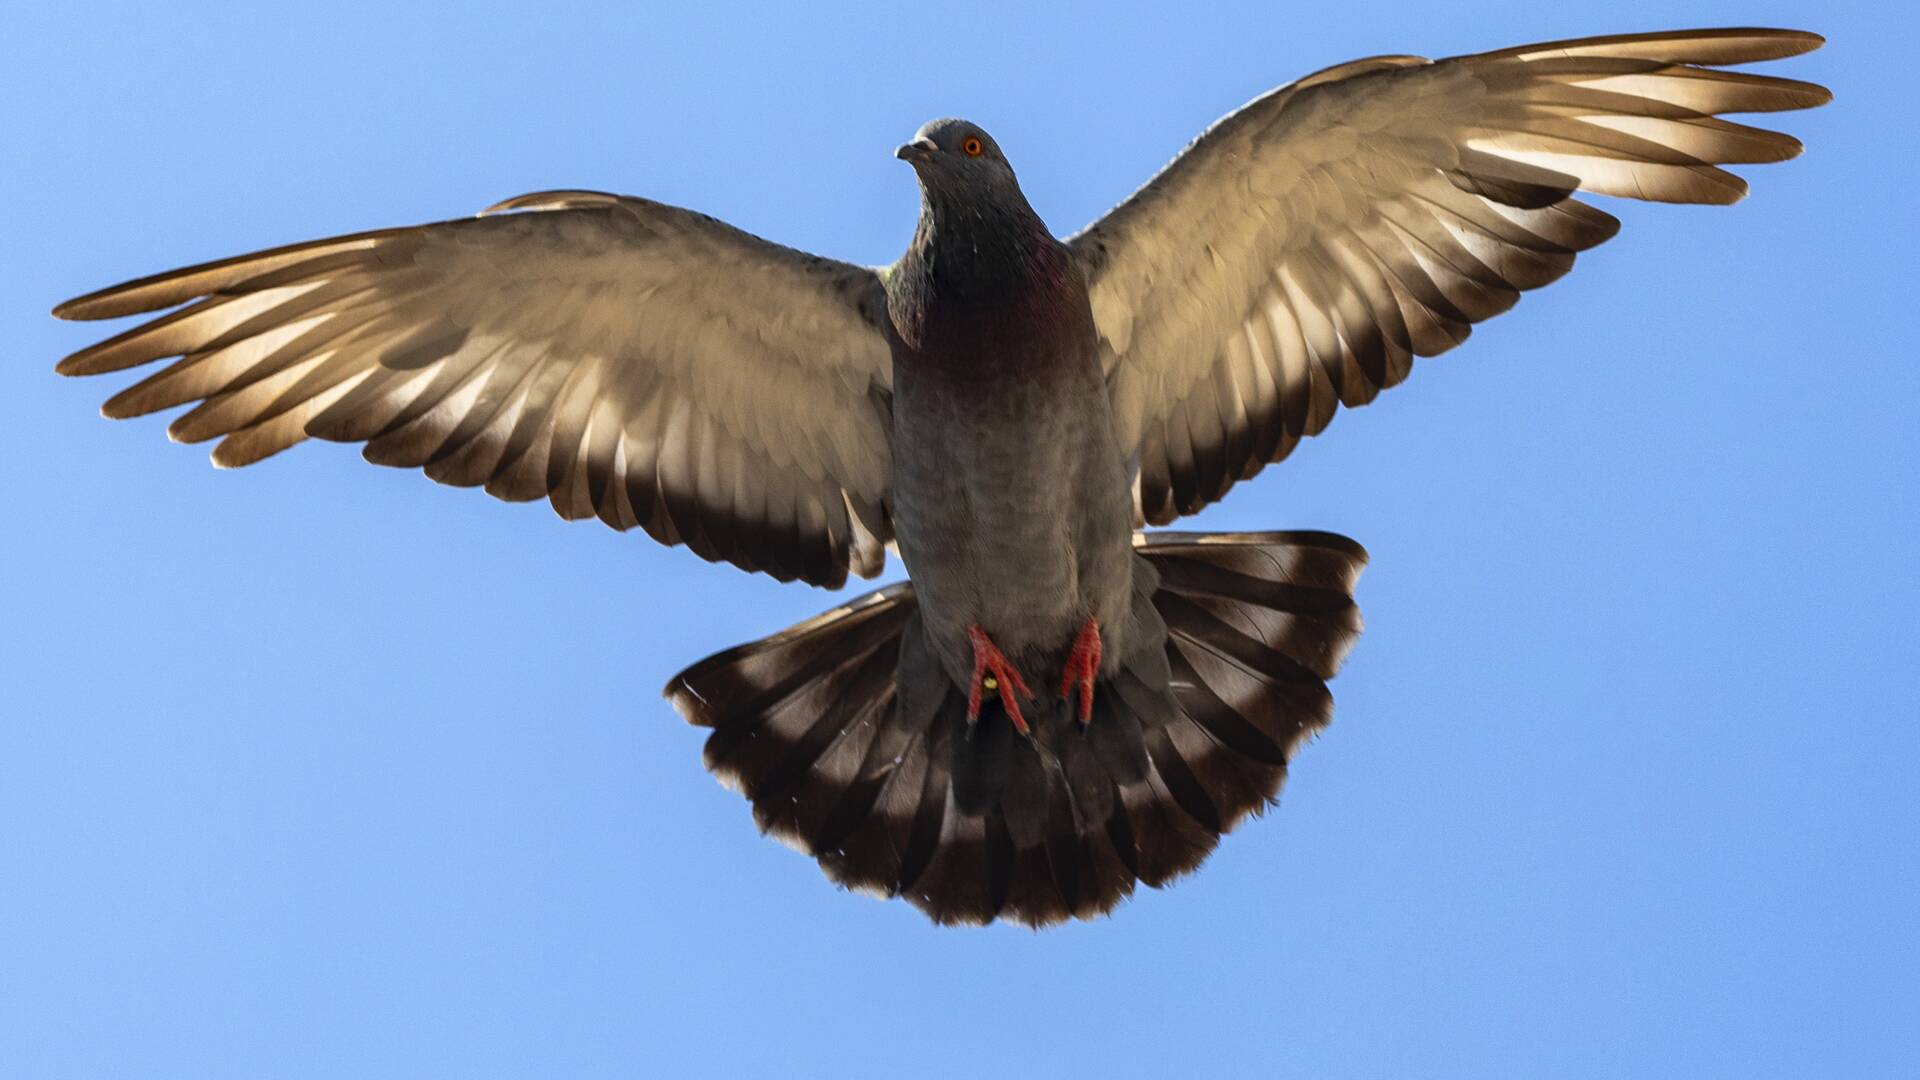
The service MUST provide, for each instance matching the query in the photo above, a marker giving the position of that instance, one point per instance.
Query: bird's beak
(919, 149)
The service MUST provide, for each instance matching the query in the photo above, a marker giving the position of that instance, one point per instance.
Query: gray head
(955, 158)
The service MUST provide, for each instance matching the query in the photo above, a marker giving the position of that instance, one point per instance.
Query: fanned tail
(852, 743)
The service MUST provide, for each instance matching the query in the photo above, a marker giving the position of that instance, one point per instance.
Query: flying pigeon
(1055, 706)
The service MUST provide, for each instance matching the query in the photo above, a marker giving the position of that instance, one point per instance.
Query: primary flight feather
(1056, 706)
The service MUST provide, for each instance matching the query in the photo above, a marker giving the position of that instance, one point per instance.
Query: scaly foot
(991, 671)
(1083, 666)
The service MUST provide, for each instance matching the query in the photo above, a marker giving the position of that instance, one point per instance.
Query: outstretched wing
(630, 361)
(1300, 253)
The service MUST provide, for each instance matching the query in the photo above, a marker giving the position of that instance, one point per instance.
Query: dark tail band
(852, 744)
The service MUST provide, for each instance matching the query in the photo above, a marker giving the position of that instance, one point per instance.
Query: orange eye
(971, 147)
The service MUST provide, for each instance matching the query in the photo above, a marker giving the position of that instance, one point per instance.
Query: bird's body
(1011, 508)
(1054, 708)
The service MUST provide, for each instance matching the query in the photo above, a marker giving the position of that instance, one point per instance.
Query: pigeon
(1056, 706)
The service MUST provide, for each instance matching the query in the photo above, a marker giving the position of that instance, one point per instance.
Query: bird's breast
(1011, 497)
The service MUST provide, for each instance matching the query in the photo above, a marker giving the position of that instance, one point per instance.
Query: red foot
(1083, 666)
(991, 671)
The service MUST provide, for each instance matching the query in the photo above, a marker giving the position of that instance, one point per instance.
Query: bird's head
(956, 158)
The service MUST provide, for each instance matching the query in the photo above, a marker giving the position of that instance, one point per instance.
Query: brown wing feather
(1304, 250)
(625, 360)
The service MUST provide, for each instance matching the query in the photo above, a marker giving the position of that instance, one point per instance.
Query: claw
(991, 671)
(1083, 667)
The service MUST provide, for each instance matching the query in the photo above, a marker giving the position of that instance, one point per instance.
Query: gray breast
(1011, 501)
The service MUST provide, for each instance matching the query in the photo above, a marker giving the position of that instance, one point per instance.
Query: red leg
(1083, 666)
(991, 671)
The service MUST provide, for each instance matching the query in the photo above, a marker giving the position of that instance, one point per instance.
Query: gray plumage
(1011, 499)
(1056, 707)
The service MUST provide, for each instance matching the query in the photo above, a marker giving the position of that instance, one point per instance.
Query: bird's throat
(975, 269)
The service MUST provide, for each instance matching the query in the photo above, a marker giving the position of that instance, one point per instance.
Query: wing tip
(1702, 47)
(235, 452)
(1783, 42)
(1606, 225)
(88, 361)
(1808, 40)
(119, 407)
(112, 302)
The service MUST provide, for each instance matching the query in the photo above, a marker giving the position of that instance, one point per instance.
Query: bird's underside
(1011, 505)
(1053, 709)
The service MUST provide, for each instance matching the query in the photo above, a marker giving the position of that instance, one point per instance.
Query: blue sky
(318, 769)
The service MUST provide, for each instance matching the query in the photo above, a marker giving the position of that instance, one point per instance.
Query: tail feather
(853, 746)
(1169, 842)
(791, 713)
(958, 880)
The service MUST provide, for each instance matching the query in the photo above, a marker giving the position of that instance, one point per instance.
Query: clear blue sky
(318, 769)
